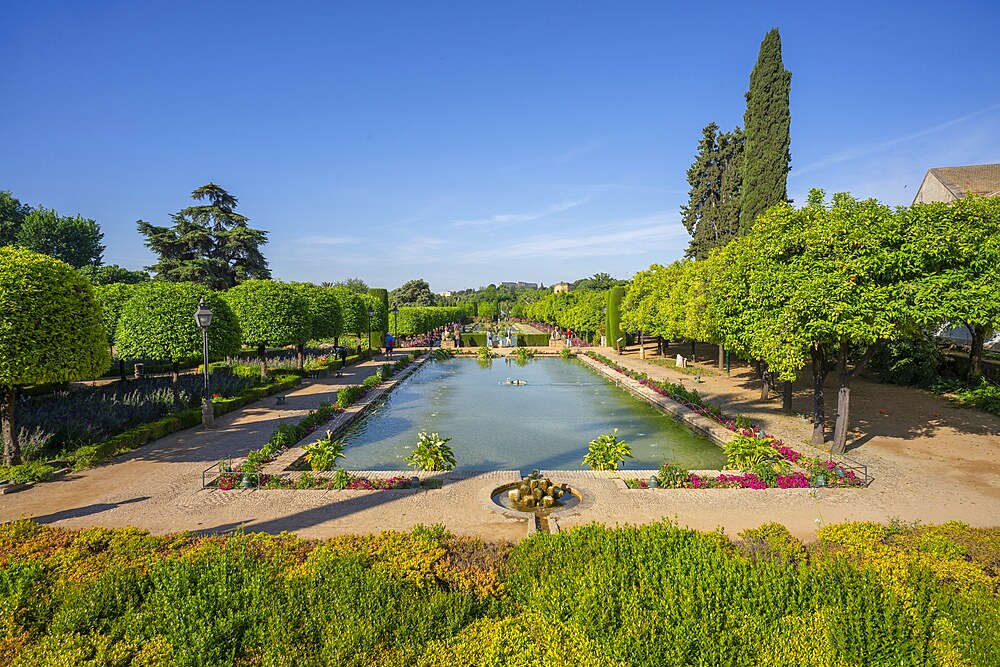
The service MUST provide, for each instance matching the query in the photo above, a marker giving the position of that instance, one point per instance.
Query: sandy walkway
(932, 462)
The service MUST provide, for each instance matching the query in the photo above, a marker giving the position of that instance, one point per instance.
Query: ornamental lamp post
(370, 314)
(203, 318)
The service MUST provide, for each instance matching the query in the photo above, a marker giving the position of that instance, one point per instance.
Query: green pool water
(545, 424)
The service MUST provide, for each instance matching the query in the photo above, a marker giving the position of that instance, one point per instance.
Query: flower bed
(307, 481)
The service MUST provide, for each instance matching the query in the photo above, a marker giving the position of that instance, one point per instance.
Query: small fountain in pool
(538, 496)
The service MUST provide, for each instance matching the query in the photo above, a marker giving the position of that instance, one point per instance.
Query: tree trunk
(262, 353)
(692, 351)
(819, 405)
(765, 382)
(121, 368)
(11, 447)
(722, 357)
(839, 445)
(175, 374)
(786, 397)
(302, 357)
(976, 352)
(756, 368)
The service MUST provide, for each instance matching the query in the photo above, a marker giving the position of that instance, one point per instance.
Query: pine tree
(209, 244)
(767, 155)
(713, 211)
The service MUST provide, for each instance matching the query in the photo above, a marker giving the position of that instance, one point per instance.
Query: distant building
(520, 284)
(950, 184)
(444, 294)
(562, 287)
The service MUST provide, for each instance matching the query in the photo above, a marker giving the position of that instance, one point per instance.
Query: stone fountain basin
(570, 501)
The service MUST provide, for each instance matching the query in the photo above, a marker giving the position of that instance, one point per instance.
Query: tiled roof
(977, 179)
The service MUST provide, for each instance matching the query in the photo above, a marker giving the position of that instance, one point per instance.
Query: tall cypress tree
(767, 156)
(712, 214)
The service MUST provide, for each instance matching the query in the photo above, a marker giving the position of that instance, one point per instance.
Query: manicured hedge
(414, 320)
(533, 340)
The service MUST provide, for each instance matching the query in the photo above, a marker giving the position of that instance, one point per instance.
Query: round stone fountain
(536, 495)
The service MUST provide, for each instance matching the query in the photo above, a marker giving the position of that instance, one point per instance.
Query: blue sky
(466, 142)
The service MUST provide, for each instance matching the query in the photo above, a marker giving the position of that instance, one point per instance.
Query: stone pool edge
(715, 432)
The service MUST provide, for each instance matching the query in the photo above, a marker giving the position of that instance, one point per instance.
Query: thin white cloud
(323, 240)
(508, 218)
(578, 152)
(867, 151)
(636, 236)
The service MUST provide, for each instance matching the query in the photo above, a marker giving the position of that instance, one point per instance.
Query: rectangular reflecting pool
(545, 424)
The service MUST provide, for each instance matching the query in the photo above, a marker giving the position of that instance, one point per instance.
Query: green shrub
(772, 542)
(672, 476)
(606, 451)
(322, 455)
(747, 453)
(348, 395)
(33, 471)
(431, 453)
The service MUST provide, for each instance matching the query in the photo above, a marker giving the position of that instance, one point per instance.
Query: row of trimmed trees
(581, 312)
(823, 286)
(58, 328)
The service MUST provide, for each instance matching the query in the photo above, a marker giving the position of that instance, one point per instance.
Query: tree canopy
(324, 307)
(157, 322)
(767, 122)
(959, 244)
(270, 313)
(354, 285)
(75, 240)
(12, 213)
(51, 330)
(712, 214)
(209, 244)
(412, 293)
(109, 274)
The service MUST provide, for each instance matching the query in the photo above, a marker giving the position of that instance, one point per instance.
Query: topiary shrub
(158, 323)
(270, 314)
(52, 330)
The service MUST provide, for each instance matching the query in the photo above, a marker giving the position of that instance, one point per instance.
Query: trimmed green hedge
(533, 340)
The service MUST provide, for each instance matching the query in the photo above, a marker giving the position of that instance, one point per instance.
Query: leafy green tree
(767, 121)
(74, 240)
(157, 322)
(12, 213)
(378, 317)
(270, 314)
(51, 331)
(412, 293)
(382, 295)
(822, 282)
(712, 214)
(209, 244)
(353, 311)
(110, 274)
(324, 307)
(355, 285)
(959, 244)
(599, 281)
(112, 299)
